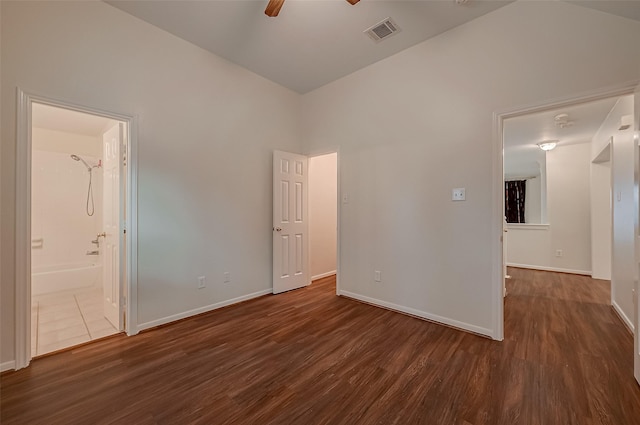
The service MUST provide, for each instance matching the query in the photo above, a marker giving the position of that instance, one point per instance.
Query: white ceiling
(311, 42)
(52, 118)
(314, 42)
(521, 134)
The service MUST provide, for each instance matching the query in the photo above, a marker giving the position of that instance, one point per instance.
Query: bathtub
(65, 277)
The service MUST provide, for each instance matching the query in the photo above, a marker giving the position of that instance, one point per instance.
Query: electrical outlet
(458, 194)
(377, 276)
(558, 253)
(227, 277)
(202, 282)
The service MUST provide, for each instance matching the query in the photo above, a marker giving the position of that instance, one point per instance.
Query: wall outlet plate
(202, 282)
(458, 194)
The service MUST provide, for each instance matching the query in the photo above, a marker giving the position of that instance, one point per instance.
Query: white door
(290, 228)
(636, 292)
(111, 142)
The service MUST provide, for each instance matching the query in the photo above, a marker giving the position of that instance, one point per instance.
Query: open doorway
(549, 189)
(581, 216)
(78, 205)
(73, 197)
(75, 222)
(323, 216)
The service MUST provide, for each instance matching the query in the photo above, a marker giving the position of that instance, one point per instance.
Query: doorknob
(277, 229)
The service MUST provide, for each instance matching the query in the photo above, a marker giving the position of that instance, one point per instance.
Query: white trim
(131, 308)
(550, 269)
(338, 225)
(527, 226)
(636, 231)
(497, 232)
(200, 310)
(7, 366)
(419, 313)
(618, 90)
(22, 326)
(621, 89)
(627, 322)
(321, 275)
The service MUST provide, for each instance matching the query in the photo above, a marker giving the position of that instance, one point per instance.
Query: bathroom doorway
(78, 181)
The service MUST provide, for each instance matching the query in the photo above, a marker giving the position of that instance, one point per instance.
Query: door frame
(22, 327)
(636, 195)
(499, 117)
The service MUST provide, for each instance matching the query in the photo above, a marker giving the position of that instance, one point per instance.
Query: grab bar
(37, 243)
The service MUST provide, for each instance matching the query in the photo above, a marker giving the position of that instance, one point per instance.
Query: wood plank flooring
(310, 357)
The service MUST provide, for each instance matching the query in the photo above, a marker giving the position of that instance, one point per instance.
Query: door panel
(290, 228)
(112, 141)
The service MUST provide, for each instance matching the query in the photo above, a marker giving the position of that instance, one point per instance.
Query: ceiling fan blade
(273, 8)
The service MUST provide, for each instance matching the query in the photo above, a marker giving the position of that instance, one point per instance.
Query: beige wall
(399, 163)
(533, 200)
(569, 217)
(44, 139)
(323, 187)
(206, 132)
(568, 205)
(601, 220)
(623, 266)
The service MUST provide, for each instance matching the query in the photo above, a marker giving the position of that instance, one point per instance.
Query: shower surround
(61, 230)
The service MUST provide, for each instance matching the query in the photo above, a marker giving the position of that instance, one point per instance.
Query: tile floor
(64, 319)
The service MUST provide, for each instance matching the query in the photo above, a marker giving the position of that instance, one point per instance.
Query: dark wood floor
(309, 357)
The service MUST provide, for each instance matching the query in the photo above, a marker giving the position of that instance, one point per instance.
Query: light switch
(345, 198)
(457, 194)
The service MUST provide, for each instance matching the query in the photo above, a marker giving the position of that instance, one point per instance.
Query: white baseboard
(628, 323)
(321, 275)
(200, 310)
(7, 366)
(419, 313)
(550, 269)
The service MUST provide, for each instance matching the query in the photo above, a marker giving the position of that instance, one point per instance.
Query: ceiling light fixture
(547, 145)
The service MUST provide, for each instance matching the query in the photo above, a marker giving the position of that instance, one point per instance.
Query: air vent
(382, 30)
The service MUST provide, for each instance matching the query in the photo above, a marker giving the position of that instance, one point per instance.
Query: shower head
(77, 158)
